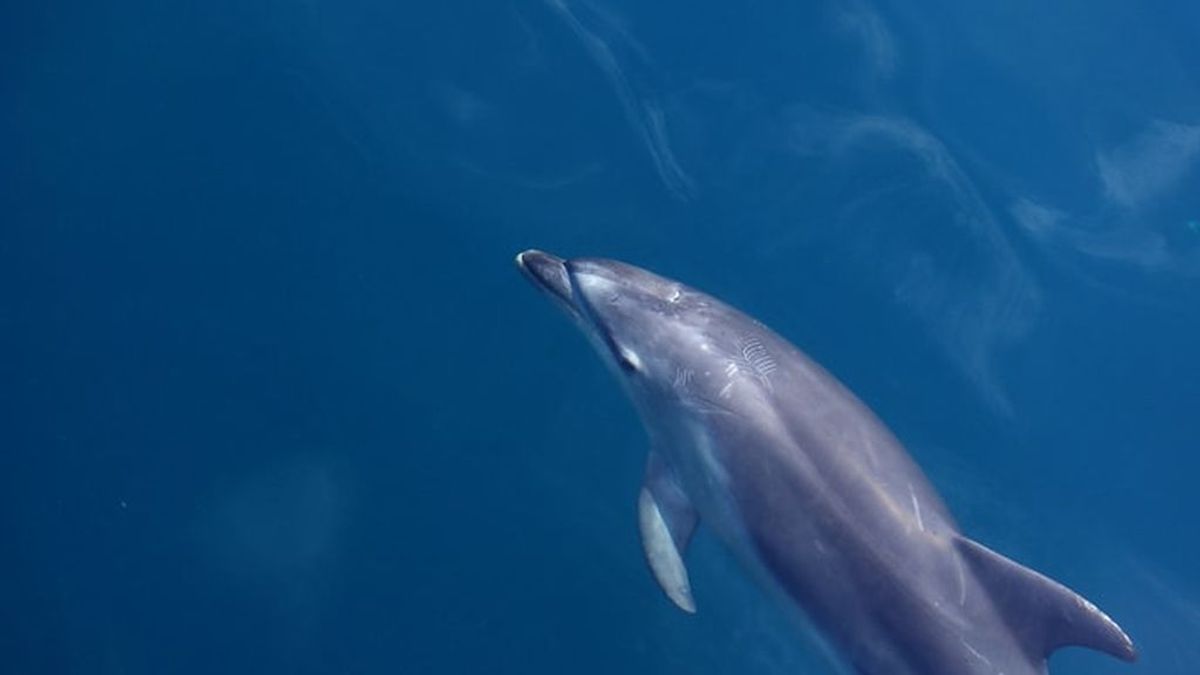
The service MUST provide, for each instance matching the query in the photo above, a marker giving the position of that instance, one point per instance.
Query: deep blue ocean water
(275, 400)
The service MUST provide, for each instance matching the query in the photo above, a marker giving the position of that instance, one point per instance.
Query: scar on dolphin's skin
(916, 507)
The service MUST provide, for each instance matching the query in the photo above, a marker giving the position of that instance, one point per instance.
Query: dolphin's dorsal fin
(1044, 614)
(667, 520)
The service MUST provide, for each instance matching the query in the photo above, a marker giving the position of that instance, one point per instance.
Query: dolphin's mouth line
(554, 276)
(549, 274)
(587, 313)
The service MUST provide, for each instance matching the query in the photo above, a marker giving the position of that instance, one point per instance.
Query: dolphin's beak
(549, 273)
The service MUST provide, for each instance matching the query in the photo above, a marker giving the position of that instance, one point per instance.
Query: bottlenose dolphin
(808, 488)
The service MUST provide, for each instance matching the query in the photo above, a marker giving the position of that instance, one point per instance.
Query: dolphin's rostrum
(807, 487)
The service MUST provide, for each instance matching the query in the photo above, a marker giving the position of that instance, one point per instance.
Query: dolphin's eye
(628, 360)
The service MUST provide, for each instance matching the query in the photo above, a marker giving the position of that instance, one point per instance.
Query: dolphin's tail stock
(1044, 614)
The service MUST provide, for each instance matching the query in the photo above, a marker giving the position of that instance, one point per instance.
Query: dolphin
(814, 496)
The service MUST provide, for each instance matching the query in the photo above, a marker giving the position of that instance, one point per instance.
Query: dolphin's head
(650, 329)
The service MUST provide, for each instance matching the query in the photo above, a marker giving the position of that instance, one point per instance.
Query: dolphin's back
(848, 526)
(818, 432)
(841, 518)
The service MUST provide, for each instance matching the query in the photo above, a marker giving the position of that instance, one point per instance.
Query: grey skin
(808, 488)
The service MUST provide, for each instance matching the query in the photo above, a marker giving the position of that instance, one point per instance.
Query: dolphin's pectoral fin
(667, 520)
(662, 552)
(1044, 614)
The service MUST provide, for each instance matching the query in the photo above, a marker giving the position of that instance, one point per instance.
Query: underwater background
(274, 399)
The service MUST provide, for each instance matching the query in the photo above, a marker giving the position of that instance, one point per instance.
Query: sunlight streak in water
(639, 101)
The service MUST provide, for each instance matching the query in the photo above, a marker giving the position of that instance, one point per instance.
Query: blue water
(275, 400)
